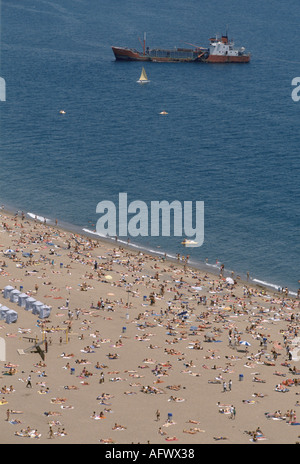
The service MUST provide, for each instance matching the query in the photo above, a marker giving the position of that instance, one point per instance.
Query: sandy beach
(139, 349)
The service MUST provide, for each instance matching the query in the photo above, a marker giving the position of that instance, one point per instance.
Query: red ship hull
(228, 59)
(127, 54)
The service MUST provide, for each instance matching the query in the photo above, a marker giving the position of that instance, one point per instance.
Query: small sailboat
(143, 79)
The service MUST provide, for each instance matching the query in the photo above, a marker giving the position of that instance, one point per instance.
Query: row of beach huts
(23, 300)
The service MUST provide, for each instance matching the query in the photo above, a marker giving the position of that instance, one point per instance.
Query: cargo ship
(220, 50)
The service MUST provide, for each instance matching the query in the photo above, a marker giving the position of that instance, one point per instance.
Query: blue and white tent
(36, 306)
(3, 311)
(22, 299)
(7, 291)
(14, 295)
(44, 312)
(11, 316)
(29, 303)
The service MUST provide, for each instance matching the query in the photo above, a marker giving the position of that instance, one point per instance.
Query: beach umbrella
(108, 277)
(245, 343)
(229, 280)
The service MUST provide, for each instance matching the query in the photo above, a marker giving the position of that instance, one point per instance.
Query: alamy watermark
(160, 218)
(295, 351)
(2, 350)
(296, 91)
(2, 89)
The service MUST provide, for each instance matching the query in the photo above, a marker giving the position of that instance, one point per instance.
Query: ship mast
(144, 47)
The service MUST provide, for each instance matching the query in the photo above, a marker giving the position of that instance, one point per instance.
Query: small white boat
(188, 242)
(143, 79)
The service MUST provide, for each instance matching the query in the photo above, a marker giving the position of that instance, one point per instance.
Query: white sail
(143, 79)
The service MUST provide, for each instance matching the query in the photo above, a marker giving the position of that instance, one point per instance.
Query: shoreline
(210, 268)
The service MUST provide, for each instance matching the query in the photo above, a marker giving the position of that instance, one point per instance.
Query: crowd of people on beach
(166, 307)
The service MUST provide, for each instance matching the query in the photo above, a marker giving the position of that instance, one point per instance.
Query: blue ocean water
(230, 139)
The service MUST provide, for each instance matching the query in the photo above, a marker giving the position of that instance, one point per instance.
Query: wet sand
(130, 352)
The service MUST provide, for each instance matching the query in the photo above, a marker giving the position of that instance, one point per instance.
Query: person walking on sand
(157, 415)
(51, 435)
(232, 412)
(29, 385)
(224, 387)
(230, 384)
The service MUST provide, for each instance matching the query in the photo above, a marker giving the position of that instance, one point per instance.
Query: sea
(231, 138)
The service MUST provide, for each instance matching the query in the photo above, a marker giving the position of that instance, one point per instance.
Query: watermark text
(296, 91)
(2, 89)
(179, 219)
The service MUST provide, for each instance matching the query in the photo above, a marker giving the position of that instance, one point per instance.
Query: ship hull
(228, 59)
(156, 56)
(170, 56)
(127, 54)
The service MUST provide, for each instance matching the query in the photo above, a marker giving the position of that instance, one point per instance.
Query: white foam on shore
(38, 218)
(262, 282)
(125, 242)
(215, 266)
(267, 284)
(94, 233)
